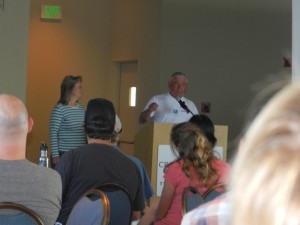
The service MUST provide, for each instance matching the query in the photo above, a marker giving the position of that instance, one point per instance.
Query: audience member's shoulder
(42, 172)
(221, 163)
(128, 159)
(134, 159)
(175, 165)
(76, 151)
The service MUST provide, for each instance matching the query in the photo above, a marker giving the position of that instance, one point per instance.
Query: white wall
(14, 20)
(296, 44)
(225, 51)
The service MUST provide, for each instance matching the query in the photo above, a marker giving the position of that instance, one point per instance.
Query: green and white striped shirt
(66, 128)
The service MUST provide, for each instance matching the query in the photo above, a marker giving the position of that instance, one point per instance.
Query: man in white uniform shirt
(166, 108)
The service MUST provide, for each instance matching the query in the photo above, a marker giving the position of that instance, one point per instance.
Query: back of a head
(266, 172)
(100, 119)
(13, 116)
(193, 147)
(206, 125)
(183, 138)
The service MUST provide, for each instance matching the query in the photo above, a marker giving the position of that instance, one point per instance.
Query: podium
(152, 135)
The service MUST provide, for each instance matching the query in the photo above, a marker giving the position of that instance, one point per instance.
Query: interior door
(127, 113)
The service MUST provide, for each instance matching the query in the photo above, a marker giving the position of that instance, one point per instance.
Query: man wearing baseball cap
(97, 162)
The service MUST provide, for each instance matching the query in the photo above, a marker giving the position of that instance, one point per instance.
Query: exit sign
(51, 12)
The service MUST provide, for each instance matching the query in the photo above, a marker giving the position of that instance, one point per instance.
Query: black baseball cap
(100, 113)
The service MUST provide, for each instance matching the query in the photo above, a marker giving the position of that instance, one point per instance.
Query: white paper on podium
(165, 155)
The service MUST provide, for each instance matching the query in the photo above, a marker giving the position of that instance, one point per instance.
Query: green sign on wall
(52, 12)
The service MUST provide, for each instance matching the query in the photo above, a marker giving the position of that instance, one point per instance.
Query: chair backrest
(212, 192)
(191, 198)
(120, 203)
(21, 215)
(91, 209)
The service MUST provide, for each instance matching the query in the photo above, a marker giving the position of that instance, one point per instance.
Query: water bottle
(43, 160)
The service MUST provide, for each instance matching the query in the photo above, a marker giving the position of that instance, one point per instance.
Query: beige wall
(79, 44)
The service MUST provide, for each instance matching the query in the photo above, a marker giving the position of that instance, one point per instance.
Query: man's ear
(30, 124)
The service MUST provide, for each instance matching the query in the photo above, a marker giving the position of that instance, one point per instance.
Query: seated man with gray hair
(21, 181)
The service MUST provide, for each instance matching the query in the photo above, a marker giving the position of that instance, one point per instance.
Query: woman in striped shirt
(66, 120)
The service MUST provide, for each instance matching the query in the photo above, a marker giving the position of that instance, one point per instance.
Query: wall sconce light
(132, 96)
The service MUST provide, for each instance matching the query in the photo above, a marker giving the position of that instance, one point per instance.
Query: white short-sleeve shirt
(169, 109)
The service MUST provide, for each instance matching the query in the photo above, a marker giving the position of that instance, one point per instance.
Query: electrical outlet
(205, 107)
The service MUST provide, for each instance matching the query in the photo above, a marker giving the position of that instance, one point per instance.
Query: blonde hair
(196, 152)
(266, 174)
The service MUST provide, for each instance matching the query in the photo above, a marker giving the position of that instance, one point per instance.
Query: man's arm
(146, 114)
(165, 201)
(55, 122)
(136, 215)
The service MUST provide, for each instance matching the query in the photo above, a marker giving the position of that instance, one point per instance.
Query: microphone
(184, 106)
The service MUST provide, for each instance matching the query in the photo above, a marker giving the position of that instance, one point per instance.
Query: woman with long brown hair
(195, 166)
(66, 121)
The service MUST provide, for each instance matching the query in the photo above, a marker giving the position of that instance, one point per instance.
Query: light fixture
(132, 96)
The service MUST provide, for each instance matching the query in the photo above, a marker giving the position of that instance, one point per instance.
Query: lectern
(151, 135)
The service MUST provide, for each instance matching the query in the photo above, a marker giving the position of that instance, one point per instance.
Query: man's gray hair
(177, 74)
